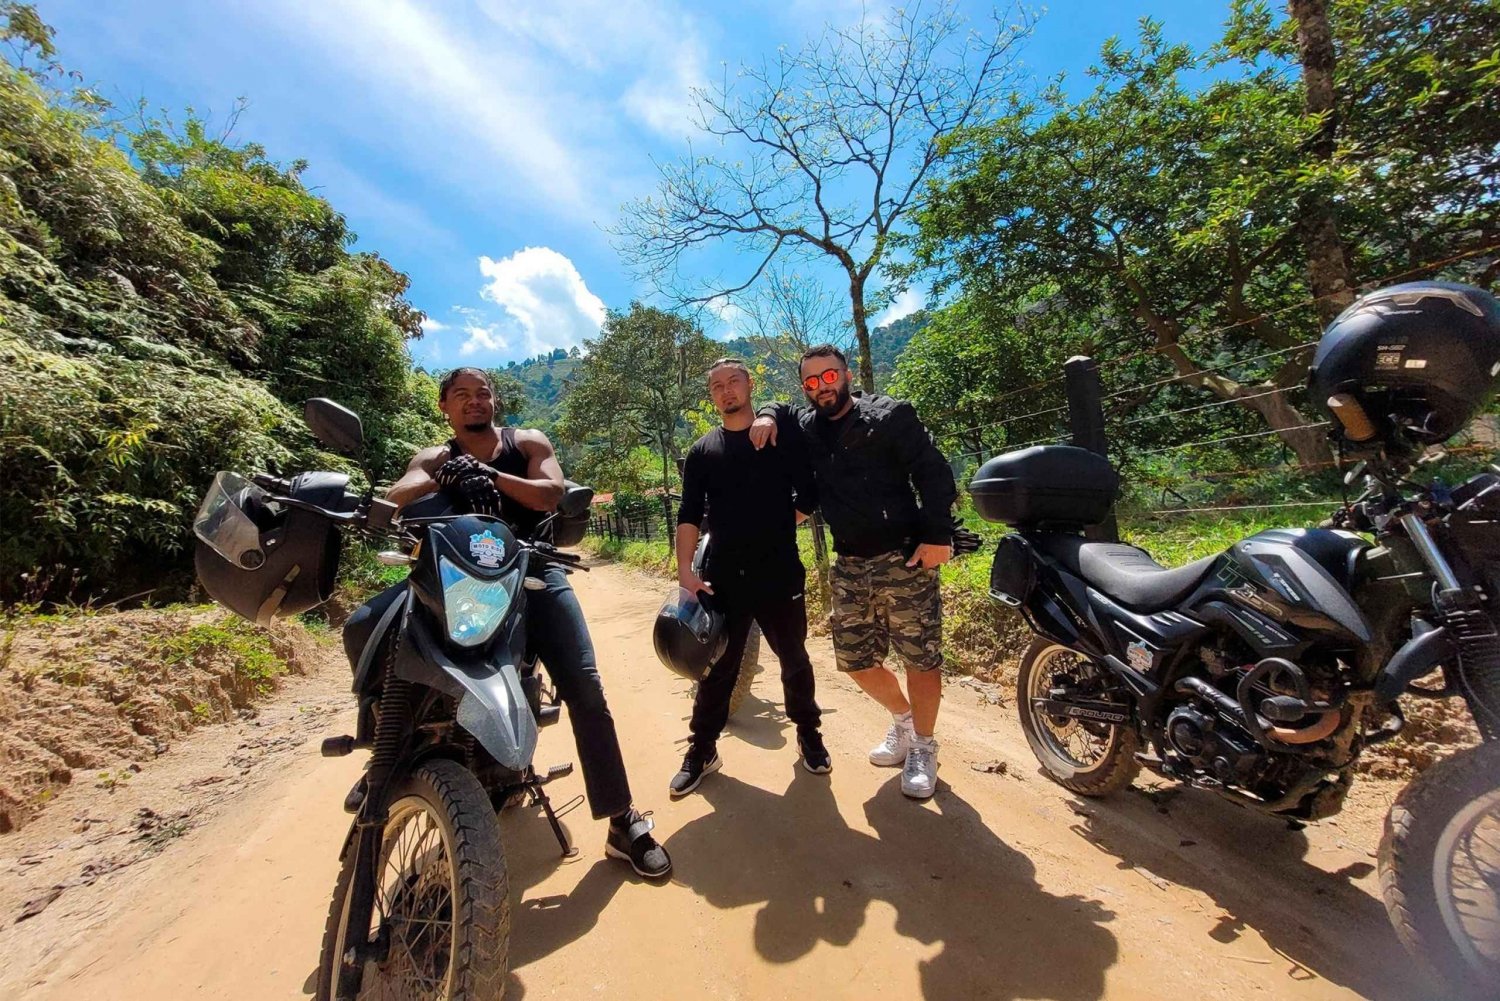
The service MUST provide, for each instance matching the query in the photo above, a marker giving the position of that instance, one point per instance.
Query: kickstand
(539, 797)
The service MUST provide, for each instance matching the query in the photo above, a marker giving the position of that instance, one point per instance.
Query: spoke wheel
(1086, 756)
(1440, 872)
(441, 921)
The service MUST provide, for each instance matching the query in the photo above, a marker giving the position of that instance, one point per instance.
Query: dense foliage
(1161, 218)
(167, 301)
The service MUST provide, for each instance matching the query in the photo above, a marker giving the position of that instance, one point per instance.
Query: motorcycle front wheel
(1440, 871)
(441, 921)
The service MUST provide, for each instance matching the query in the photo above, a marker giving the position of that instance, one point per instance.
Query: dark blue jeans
(558, 635)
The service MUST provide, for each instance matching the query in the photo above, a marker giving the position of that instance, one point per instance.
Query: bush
(107, 458)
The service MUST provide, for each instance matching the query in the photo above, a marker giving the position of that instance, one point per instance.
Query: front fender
(491, 703)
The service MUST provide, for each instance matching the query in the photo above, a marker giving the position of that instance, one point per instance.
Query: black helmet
(689, 636)
(1419, 360)
(261, 559)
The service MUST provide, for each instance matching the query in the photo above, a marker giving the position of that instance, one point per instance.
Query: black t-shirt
(750, 498)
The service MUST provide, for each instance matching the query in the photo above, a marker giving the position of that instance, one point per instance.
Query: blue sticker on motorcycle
(487, 550)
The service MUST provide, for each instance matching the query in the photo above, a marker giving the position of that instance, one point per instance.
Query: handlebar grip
(1347, 410)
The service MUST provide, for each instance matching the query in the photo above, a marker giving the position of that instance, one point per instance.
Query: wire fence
(641, 527)
(1076, 407)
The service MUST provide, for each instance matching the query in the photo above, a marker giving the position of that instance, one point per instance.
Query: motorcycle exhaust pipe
(1261, 731)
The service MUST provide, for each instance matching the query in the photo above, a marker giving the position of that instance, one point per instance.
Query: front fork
(369, 827)
(1473, 629)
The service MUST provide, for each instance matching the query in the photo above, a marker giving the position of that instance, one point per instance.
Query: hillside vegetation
(168, 298)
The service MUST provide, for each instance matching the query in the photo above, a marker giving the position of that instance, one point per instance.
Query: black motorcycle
(450, 706)
(1264, 672)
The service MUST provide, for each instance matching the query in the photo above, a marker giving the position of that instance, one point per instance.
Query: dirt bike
(1262, 673)
(450, 707)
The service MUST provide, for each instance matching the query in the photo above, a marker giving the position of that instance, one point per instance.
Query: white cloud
(905, 304)
(431, 326)
(606, 39)
(482, 338)
(545, 296)
(479, 99)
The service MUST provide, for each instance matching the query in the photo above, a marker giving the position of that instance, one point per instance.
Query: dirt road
(787, 885)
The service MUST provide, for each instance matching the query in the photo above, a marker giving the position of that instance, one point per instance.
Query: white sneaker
(891, 753)
(919, 780)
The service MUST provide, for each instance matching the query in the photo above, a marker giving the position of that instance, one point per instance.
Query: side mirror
(335, 426)
(576, 500)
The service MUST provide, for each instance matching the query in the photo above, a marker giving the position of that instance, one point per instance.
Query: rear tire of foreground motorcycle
(481, 905)
(1116, 770)
(1415, 853)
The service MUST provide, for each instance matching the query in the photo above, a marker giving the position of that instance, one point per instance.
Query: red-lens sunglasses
(828, 377)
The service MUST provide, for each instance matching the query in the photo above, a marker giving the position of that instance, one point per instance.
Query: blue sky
(485, 146)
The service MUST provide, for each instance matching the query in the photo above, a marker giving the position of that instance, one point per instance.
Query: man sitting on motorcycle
(514, 473)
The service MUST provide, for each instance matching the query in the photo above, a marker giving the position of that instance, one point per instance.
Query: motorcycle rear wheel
(1440, 871)
(442, 900)
(1089, 758)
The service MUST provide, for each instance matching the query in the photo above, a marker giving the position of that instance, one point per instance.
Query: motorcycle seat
(1125, 573)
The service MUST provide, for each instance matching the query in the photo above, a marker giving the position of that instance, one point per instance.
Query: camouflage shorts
(879, 602)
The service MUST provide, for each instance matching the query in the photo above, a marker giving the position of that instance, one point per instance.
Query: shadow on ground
(952, 882)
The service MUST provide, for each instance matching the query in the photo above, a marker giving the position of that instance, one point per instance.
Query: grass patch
(248, 649)
(979, 635)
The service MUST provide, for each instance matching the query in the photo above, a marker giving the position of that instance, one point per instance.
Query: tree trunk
(1328, 271)
(862, 333)
(1309, 444)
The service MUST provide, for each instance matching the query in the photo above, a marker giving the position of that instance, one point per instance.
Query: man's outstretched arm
(418, 480)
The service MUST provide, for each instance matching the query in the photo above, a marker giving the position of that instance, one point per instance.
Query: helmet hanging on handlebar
(263, 559)
(1410, 365)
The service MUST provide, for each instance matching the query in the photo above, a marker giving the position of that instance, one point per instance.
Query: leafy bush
(107, 458)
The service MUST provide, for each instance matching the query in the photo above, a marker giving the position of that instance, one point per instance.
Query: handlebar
(385, 522)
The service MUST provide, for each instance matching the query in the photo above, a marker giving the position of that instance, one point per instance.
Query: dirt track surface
(787, 885)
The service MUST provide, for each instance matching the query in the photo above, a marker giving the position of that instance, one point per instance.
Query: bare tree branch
(820, 151)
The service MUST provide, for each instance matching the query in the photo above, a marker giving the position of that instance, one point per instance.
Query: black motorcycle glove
(965, 541)
(458, 468)
(480, 494)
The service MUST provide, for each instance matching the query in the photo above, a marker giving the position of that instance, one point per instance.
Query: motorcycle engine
(1211, 745)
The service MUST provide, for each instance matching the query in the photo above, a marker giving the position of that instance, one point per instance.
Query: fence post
(1086, 423)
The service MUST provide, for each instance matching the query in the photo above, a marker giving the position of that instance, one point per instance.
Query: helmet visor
(224, 526)
(687, 609)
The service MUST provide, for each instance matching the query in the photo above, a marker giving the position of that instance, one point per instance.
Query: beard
(732, 408)
(481, 426)
(839, 402)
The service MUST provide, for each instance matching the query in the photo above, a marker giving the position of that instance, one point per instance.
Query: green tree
(1175, 219)
(635, 386)
(163, 318)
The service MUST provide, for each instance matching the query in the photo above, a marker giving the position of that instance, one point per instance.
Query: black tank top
(510, 459)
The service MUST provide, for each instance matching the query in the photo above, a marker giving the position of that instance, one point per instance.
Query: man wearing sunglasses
(887, 494)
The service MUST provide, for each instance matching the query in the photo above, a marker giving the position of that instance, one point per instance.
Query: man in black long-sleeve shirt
(754, 573)
(874, 462)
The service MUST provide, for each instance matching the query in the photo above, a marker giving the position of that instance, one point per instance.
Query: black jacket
(872, 467)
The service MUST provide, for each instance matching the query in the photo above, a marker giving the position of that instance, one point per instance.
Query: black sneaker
(630, 839)
(814, 755)
(695, 765)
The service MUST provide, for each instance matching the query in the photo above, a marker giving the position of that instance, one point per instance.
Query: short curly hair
(452, 377)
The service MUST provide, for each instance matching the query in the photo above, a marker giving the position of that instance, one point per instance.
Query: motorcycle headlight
(474, 608)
